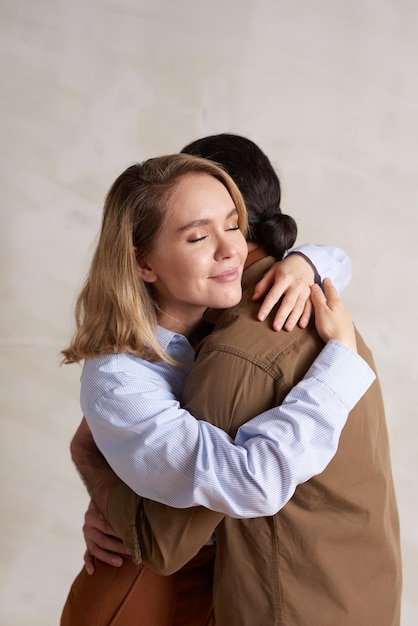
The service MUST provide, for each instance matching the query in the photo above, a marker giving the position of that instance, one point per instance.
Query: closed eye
(197, 239)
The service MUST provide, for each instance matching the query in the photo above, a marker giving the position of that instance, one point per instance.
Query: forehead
(198, 192)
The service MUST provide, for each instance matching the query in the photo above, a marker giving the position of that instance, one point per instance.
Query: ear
(144, 270)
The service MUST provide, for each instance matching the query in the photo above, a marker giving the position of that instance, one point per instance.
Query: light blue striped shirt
(164, 453)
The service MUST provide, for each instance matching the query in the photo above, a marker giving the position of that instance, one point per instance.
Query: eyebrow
(203, 222)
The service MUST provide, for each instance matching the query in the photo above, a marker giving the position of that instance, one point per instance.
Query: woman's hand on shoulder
(332, 320)
(289, 280)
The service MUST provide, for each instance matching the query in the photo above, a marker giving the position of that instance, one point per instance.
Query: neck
(255, 252)
(186, 327)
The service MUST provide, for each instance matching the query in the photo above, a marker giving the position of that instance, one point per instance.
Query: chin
(228, 301)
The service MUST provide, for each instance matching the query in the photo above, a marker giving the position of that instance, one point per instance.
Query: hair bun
(268, 214)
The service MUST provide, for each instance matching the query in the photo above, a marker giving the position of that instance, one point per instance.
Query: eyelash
(233, 228)
(195, 240)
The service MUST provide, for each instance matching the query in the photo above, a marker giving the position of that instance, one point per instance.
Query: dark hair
(259, 184)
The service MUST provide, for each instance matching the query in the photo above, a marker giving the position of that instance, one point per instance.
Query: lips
(228, 276)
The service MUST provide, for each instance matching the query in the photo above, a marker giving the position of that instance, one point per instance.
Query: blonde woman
(172, 244)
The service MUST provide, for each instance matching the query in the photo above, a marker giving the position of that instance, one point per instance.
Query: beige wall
(329, 89)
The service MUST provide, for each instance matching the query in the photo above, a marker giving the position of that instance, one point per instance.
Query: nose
(226, 247)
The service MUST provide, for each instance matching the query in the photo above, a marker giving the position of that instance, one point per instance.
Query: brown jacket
(331, 556)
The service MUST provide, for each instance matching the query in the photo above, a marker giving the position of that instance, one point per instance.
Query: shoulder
(126, 374)
(113, 370)
(112, 363)
(240, 333)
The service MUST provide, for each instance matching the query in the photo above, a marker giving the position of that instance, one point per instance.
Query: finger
(89, 563)
(103, 555)
(286, 308)
(93, 519)
(106, 542)
(295, 314)
(300, 297)
(111, 544)
(264, 284)
(306, 315)
(270, 301)
(317, 297)
(331, 294)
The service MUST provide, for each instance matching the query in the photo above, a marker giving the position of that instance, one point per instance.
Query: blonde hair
(116, 311)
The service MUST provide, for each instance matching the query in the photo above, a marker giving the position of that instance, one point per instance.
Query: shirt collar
(166, 337)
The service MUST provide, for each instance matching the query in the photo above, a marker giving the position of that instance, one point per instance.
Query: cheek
(199, 263)
(185, 273)
(244, 250)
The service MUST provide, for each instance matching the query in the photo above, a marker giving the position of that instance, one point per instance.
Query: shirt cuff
(344, 371)
(121, 514)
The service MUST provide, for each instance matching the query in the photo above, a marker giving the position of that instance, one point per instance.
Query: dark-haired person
(332, 554)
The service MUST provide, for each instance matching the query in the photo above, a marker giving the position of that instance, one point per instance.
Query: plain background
(328, 88)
